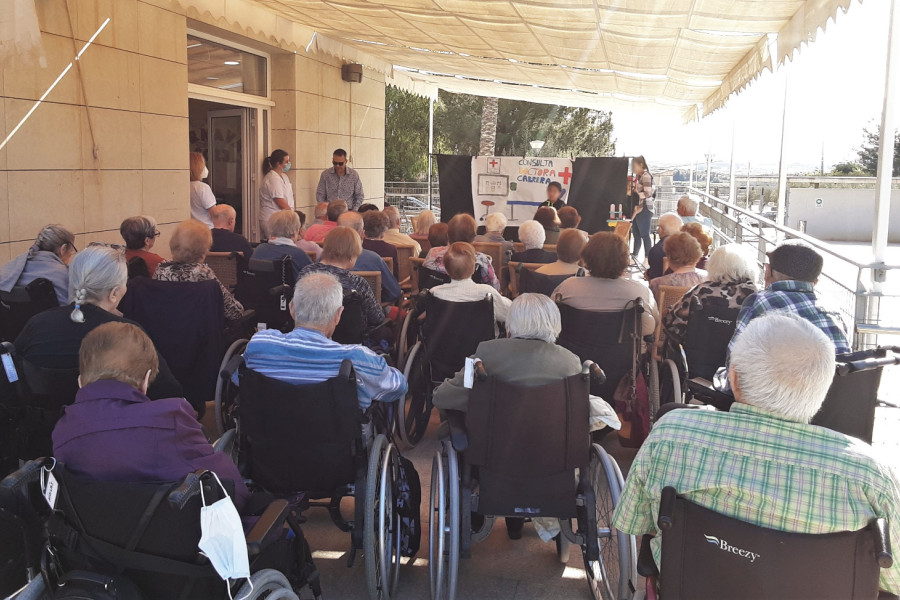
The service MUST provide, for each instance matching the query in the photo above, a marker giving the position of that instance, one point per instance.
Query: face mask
(287, 167)
(205, 173)
(222, 538)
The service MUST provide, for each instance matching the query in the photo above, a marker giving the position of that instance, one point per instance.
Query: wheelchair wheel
(414, 410)
(403, 340)
(226, 391)
(609, 577)
(672, 368)
(653, 390)
(443, 531)
(381, 529)
(269, 584)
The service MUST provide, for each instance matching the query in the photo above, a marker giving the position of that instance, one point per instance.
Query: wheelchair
(448, 333)
(699, 548)
(525, 465)
(312, 445)
(148, 533)
(23, 302)
(267, 286)
(849, 405)
(538, 283)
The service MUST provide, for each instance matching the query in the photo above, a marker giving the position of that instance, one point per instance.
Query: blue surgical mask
(287, 167)
(222, 537)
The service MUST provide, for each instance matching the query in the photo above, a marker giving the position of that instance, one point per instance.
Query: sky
(836, 88)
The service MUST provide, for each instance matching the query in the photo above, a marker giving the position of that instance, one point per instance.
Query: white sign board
(514, 185)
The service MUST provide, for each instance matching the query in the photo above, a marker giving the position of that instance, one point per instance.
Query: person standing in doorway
(276, 192)
(340, 182)
(645, 201)
(202, 197)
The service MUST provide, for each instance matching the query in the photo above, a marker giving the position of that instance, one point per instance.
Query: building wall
(328, 114)
(844, 215)
(111, 140)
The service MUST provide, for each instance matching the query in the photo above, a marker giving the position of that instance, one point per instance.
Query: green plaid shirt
(757, 467)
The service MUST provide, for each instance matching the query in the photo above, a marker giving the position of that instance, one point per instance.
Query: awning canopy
(677, 55)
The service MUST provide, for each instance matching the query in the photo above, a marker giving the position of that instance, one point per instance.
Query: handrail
(814, 242)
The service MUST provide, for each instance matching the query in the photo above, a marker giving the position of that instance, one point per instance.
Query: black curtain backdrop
(455, 185)
(596, 183)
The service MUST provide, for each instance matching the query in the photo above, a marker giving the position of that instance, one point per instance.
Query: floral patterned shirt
(730, 294)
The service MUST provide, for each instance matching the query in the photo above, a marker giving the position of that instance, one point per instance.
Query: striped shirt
(763, 469)
(305, 356)
(643, 187)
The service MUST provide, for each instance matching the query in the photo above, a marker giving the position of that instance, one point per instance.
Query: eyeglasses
(155, 233)
(337, 164)
(118, 247)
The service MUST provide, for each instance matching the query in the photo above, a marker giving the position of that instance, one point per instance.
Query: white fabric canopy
(655, 54)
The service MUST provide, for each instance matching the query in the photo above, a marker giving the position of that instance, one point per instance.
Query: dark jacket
(384, 250)
(229, 241)
(655, 259)
(267, 251)
(113, 432)
(51, 339)
(534, 255)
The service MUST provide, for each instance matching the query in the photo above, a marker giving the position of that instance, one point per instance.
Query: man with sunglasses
(340, 182)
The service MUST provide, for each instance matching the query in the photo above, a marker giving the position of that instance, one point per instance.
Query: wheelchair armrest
(667, 507)
(703, 390)
(882, 543)
(224, 443)
(267, 527)
(593, 369)
(189, 488)
(231, 367)
(646, 566)
(280, 289)
(459, 436)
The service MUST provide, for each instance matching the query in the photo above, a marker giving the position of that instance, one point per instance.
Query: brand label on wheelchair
(527, 511)
(49, 487)
(11, 375)
(726, 547)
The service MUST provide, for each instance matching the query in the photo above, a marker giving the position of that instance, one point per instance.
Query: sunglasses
(337, 164)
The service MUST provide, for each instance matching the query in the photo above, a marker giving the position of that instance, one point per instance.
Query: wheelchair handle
(480, 373)
(189, 488)
(866, 364)
(593, 369)
(667, 508)
(30, 472)
(883, 544)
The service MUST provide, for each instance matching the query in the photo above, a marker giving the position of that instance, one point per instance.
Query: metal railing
(845, 286)
(411, 198)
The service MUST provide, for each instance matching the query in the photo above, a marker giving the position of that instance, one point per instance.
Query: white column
(886, 143)
(782, 160)
(732, 195)
(430, 145)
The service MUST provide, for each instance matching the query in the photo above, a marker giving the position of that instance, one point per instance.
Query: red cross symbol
(566, 175)
(493, 162)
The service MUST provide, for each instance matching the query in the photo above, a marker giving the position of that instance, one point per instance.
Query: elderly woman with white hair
(285, 231)
(732, 273)
(494, 226)
(97, 279)
(532, 235)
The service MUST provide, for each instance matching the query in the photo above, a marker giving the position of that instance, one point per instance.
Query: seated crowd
(778, 367)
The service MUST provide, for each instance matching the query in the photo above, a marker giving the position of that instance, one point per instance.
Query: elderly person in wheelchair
(529, 356)
(309, 355)
(762, 462)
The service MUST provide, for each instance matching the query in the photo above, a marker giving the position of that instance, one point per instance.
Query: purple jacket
(113, 432)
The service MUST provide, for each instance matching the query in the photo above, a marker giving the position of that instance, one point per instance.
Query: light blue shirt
(304, 356)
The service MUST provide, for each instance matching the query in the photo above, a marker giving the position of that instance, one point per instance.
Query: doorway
(225, 135)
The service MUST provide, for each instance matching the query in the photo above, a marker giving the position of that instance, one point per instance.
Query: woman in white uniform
(276, 192)
(202, 197)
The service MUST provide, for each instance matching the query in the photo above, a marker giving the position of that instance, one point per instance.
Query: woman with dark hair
(645, 201)
(276, 192)
(547, 217)
(140, 235)
(48, 258)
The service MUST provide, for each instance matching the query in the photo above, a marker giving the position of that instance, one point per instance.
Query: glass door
(226, 161)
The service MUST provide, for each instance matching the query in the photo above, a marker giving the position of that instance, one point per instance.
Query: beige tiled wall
(327, 113)
(111, 140)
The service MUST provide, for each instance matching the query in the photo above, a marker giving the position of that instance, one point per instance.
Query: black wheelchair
(312, 445)
(526, 452)
(99, 532)
(709, 555)
(267, 287)
(23, 302)
(441, 340)
(538, 283)
(849, 406)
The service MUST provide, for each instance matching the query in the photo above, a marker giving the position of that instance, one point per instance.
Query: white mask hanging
(222, 538)
(205, 173)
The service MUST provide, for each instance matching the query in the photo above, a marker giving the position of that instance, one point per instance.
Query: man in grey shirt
(340, 182)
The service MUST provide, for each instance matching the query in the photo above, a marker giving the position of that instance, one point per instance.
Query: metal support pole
(708, 163)
(748, 186)
(691, 179)
(886, 146)
(430, 145)
(782, 163)
(732, 189)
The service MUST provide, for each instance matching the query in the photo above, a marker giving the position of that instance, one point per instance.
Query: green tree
(868, 152)
(406, 136)
(848, 169)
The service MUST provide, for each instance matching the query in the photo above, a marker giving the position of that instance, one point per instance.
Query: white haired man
(393, 235)
(308, 355)
(224, 238)
(494, 225)
(532, 236)
(813, 480)
(668, 224)
(689, 211)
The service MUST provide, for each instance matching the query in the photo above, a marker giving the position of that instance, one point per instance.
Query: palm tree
(489, 113)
